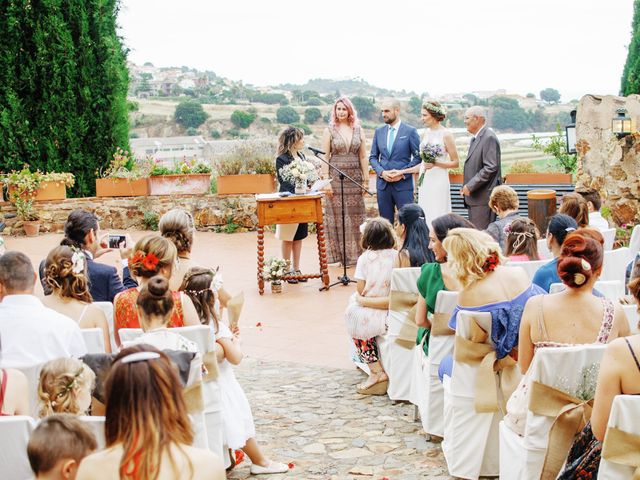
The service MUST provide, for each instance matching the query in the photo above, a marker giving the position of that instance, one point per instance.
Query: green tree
(415, 105)
(63, 87)
(631, 72)
(557, 147)
(287, 115)
(242, 119)
(190, 114)
(508, 115)
(365, 107)
(304, 128)
(312, 115)
(550, 95)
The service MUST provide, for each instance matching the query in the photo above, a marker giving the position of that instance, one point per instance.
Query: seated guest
(436, 276)
(576, 207)
(545, 322)
(522, 240)
(152, 255)
(65, 386)
(14, 393)
(559, 227)
(413, 235)
(66, 276)
(504, 202)
(31, 333)
(57, 446)
(148, 432)
(82, 231)
(594, 202)
(487, 286)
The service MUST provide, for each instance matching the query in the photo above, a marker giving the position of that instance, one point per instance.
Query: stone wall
(211, 212)
(605, 163)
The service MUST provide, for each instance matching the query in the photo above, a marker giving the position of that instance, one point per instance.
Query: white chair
(96, 426)
(93, 339)
(612, 289)
(623, 417)
(614, 264)
(432, 411)
(201, 335)
(396, 359)
(14, 437)
(543, 250)
(634, 242)
(470, 444)
(129, 334)
(556, 287)
(32, 373)
(530, 267)
(609, 237)
(564, 369)
(107, 308)
(631, 311)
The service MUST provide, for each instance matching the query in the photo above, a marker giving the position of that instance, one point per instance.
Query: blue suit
(405, 153)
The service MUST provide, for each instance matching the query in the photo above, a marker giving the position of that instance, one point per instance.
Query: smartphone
(115, 240)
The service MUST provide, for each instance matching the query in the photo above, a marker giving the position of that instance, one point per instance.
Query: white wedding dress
(434, 194)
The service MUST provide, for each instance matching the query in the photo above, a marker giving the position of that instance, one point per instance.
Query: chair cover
(614, 264)
(470, 444)
(202, 335)
(129, 335)
(96, 425)
(609, 237)
(32, 373)
(568, 371)
(543, 250)
(634, 242)
(621, 447)
(557, 287)
(93, 339)
(107, 308)
(530, 267)
(396, 345)
(14, 437)
(612, 289)
(631, 311)
(431, 410)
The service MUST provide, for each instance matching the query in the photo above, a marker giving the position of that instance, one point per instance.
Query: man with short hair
(394, 150)
(482, 169)
(31, 333)
(594, 202)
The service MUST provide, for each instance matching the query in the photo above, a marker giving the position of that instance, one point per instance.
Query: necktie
(391, 138)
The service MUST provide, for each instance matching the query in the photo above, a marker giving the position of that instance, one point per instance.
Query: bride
(434, 192)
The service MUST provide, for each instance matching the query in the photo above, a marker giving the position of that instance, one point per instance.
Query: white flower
(77, 259)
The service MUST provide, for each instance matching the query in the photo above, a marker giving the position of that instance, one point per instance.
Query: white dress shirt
(596, 220)
(32, 334)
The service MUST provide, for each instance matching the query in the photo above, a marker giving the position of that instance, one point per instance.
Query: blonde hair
(468, 250)
(60, 382)
(160, 248)
(503, 197)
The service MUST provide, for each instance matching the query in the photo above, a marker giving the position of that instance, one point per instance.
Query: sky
(574, 46)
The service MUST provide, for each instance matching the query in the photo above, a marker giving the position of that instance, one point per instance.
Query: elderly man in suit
(481, 169)
(395, 149)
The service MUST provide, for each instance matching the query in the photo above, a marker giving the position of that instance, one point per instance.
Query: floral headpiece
(491, 263)
(148, 260)
(521, 238)
(434, 108)
(69, 386)
(78, 261)
(580, 278)
(213, 286)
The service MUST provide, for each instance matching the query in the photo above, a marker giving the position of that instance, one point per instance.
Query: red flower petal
(259, 324)
(290, 465)
(239, 456)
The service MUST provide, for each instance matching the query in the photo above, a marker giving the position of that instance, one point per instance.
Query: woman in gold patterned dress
(344, 143)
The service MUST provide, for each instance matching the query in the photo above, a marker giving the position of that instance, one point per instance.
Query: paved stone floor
(312, 417)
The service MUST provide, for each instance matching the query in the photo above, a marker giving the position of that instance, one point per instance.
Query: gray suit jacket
(482, 169)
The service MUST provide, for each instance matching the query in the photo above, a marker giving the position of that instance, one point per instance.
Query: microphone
(316, 151)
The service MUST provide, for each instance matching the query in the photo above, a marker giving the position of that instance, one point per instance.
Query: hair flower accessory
(430, 107)
(150, 261)
(137, 257)
(77, 261)
(491, 263)
(586, 266)
(579, 278)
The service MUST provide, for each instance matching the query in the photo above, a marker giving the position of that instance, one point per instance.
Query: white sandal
(273, 467)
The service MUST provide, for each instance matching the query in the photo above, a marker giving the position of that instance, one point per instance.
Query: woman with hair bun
(545, 322)
(65, 273)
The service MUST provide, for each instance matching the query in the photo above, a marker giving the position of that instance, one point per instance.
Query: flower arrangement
(124, 165)
(181, 167)
(429, 152)
(248, 157)
(299, 172)
(275, 269)
(26, 183)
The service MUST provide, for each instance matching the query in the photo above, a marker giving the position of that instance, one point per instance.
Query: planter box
(456, 178)
(248, 183)
(538, 178)
(191, 184)
(46, 191)
(122, 187)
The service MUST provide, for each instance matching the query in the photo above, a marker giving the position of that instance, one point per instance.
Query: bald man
(481, 169)
(395, 149)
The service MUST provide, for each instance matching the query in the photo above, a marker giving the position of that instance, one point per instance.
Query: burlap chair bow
(571, 415)
(496, 379)
(404, 303)
(440, 324)
(622, 448)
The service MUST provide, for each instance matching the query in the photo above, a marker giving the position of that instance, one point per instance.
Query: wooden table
(293, 209)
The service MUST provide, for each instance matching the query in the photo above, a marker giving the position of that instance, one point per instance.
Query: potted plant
(124, 177)
(274, 271)
(248, 169)
(37, 185)
(456, 175)
(525, 173)
(188, 177)
(29, 216)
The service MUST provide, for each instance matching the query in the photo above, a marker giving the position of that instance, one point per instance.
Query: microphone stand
(344, 279)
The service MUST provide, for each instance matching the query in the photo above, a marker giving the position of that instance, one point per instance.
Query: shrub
(192, 132)
(252, 156)
(233, 132)
(305, 128)
(265, 120)
(522, 166)
(557, 147)
(287, 115)
(150, 220)
(312, 115)
(190, 114)
(313, 101)
(365, 107)
(242, 119)
(215, 134)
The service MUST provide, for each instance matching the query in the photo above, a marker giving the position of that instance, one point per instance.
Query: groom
(395, 149)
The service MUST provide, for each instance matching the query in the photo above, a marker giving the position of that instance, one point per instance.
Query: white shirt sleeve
(361, 267)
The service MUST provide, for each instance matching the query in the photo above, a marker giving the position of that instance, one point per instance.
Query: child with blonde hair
(65, 387)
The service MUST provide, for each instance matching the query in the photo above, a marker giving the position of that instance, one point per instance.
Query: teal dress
(429, 284)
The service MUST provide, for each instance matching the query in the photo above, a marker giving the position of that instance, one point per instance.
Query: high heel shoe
(379, 388)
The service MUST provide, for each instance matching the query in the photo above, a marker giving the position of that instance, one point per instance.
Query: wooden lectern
(293, 209)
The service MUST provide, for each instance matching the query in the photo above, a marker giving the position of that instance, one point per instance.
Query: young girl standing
(366, 315)
(237, 420)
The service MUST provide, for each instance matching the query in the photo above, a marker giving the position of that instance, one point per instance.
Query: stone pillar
(605, 163)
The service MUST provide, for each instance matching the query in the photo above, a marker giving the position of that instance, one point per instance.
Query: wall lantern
(621, 124)
(570, 132)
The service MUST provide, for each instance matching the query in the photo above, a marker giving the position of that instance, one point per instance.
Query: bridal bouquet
(299, 172)
(275, 269)
(429, 152)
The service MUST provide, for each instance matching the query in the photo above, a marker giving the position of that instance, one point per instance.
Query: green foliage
(150, 220)
(312, 115)
(242, 119)
(248, 157)
(522, 166)
(24, 183)
(215, 134)
(63, 87)
(557, 147)
(192, 132)
(531, 95)
(631, 73)
(550, 95)
(415, 105)
(265, 120)
(269, 98)
(365, 107)
(181, 167)
(508, 115)
(304, 128)
(287, 115)
(190, 114)
(133, 106)
(233, 132)
(314, 101)
(25, 210)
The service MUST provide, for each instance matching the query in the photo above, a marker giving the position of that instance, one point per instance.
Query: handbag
(364, 323)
